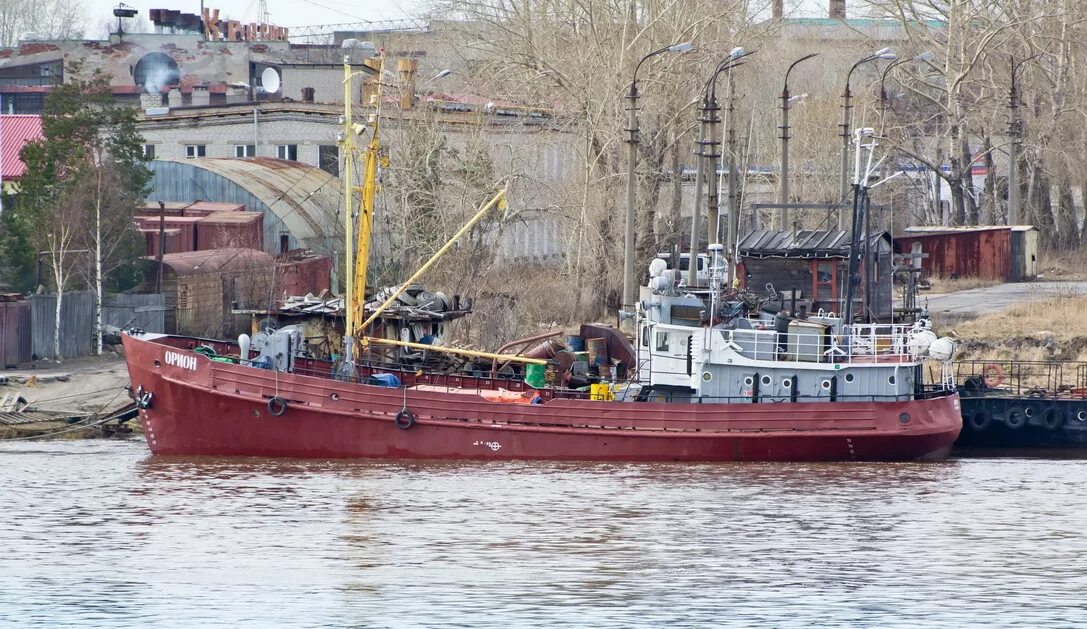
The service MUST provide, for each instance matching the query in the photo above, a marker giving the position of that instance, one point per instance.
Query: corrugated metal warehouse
(300, 203)
(995, 252)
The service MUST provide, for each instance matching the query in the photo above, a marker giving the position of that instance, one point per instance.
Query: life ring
(143, 398)
(980, 420)
(1014, 419)
(1053, 418)
(405, 419)
(992, 375)
(277, 406)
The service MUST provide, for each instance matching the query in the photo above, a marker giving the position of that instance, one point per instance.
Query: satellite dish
(269, 79)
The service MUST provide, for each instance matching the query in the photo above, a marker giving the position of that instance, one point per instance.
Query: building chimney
(837, 9)
(777, 8)
(150, 101)
(174, 97)
(200, 96)
(406, 68)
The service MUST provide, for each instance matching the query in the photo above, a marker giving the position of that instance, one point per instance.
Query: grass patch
(1062, 265)
(1043, 329)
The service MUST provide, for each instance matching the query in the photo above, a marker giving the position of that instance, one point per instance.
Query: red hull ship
(193, 405)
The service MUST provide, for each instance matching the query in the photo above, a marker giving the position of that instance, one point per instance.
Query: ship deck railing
(1023, 378)
(865, 344)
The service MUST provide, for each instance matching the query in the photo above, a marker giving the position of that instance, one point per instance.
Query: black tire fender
(277, 406)
(1014, 418)
(1053, 418)
(979, 420)
(405, 419)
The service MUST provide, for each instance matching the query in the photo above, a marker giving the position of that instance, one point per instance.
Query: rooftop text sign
(233, 30)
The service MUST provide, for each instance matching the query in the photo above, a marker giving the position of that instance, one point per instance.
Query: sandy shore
(79, 385)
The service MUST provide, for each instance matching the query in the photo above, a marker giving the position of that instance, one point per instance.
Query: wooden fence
(77, 320)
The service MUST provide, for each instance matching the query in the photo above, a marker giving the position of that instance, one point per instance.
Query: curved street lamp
(632, 162)
(882, 53)
(783, 177)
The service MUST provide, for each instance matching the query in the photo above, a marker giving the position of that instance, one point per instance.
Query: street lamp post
(1015, 131)
(882, 53)
(632, 162)
(783, 177)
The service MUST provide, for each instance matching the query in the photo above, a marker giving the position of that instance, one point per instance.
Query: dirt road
(969, 304)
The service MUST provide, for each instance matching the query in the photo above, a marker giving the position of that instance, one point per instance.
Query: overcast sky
(283, 12)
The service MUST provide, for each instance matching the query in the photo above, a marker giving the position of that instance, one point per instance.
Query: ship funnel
(243, 346)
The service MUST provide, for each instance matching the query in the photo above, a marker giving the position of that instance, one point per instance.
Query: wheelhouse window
(824, 275)
(662, 342)
(192, 151)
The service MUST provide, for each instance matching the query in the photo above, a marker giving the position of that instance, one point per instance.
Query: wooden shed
(202, 288)
(813, 265)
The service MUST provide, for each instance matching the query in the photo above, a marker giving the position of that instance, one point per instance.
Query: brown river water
(101, 534)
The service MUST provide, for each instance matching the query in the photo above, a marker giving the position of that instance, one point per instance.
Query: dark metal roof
(806, 243)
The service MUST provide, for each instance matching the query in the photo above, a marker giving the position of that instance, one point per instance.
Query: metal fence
(77, 320)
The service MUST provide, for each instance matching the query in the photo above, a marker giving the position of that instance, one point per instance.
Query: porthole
(825, 384)
(767, 381)
(787, 383)
(158, 364)
(748, 381)
(334, 397)
(891, 380)
(1082, 416)
(1028, 411)
(904, 418)
(706, 376)
(849, 377)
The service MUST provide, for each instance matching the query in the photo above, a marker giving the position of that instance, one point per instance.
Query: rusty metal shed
(984, 252)
(300, 203)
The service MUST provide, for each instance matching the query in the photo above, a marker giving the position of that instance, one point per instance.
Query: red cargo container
(207, 208)
(151, 237)
(244, 230)
(981, 252)
(185, 225)
(311, 274)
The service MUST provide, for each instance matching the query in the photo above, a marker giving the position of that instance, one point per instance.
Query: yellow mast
(369, 191)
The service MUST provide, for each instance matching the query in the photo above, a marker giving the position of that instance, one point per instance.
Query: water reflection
(100, 534)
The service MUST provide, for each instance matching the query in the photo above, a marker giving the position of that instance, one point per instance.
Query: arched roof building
(301, 204)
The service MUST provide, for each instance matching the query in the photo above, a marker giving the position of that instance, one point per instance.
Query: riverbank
(62, 399)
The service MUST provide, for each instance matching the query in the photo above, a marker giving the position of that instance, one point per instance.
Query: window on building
(824, 276)
(149, 151)
(245, 150)
(287, 151)
(196, 150)
(328, 159)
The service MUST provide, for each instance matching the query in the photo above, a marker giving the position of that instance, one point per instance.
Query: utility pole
(732, 233)
(712, 154)
(699, 182)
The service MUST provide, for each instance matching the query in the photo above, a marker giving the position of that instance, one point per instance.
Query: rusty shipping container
(15, 337)
(230, 229)
(186, 226)
(311, 274)
(151, 240)
(981, 252)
